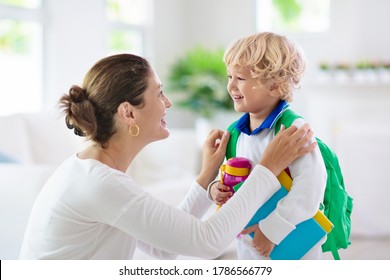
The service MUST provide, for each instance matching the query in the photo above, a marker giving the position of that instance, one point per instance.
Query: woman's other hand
(288, 145)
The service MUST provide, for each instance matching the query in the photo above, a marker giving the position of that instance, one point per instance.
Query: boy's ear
(274, 86)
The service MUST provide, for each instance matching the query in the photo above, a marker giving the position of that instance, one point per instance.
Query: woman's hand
(288, 145)
(214, 150)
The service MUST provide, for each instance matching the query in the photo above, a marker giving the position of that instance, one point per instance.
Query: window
(128, 22)
(36, 45)
(293, 15)
(21, 56)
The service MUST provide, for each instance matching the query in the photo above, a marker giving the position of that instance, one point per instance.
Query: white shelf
(347, 79)
(335, 83)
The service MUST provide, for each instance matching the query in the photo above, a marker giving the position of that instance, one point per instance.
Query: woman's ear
(125, 111)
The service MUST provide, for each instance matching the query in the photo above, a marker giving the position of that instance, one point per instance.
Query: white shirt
(301, 203)
(87, 210)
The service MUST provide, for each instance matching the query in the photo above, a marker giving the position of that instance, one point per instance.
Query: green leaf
(200, 78)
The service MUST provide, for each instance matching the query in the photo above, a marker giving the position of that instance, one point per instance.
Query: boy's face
(250, 94)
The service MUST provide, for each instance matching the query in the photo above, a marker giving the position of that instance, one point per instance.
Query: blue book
(303, 237)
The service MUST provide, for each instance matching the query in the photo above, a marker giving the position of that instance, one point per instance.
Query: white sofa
(38, 143)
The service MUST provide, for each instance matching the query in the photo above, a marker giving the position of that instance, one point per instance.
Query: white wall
(70, 54)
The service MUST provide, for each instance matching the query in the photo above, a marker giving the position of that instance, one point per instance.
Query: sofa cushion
(4, 158)
(51, 141)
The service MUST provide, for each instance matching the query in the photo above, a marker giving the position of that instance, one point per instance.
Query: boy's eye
(238, 78)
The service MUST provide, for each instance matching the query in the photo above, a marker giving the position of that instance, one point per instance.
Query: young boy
(263, 71)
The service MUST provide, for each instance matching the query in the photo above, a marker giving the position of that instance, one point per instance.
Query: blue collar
(243, 123)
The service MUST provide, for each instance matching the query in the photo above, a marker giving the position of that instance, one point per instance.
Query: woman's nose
(167, 102)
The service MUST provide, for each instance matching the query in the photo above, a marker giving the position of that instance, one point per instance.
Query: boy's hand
(260, 242)
(220, 193)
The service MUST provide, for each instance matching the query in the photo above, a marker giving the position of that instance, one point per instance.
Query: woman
(90, 209)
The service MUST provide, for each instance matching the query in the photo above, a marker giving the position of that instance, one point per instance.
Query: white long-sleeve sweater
(87, 210)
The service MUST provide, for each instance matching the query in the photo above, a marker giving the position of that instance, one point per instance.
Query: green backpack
(337, 204)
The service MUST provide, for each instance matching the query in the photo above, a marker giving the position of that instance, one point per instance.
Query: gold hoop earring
(136, 127)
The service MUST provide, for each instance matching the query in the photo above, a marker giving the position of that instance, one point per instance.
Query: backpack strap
(231, 146)
(287, 117)
(332, 245)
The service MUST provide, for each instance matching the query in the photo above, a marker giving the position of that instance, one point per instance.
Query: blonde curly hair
(270, 57)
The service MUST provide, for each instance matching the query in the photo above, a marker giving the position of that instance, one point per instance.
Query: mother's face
(151, 117)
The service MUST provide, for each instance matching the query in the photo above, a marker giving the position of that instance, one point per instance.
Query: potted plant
(199, 79)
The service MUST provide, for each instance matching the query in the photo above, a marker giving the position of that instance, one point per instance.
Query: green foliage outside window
(289, 10)
(122, 40)
(296, 15)
(113, 9)
(14, 37)
(22, 3)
